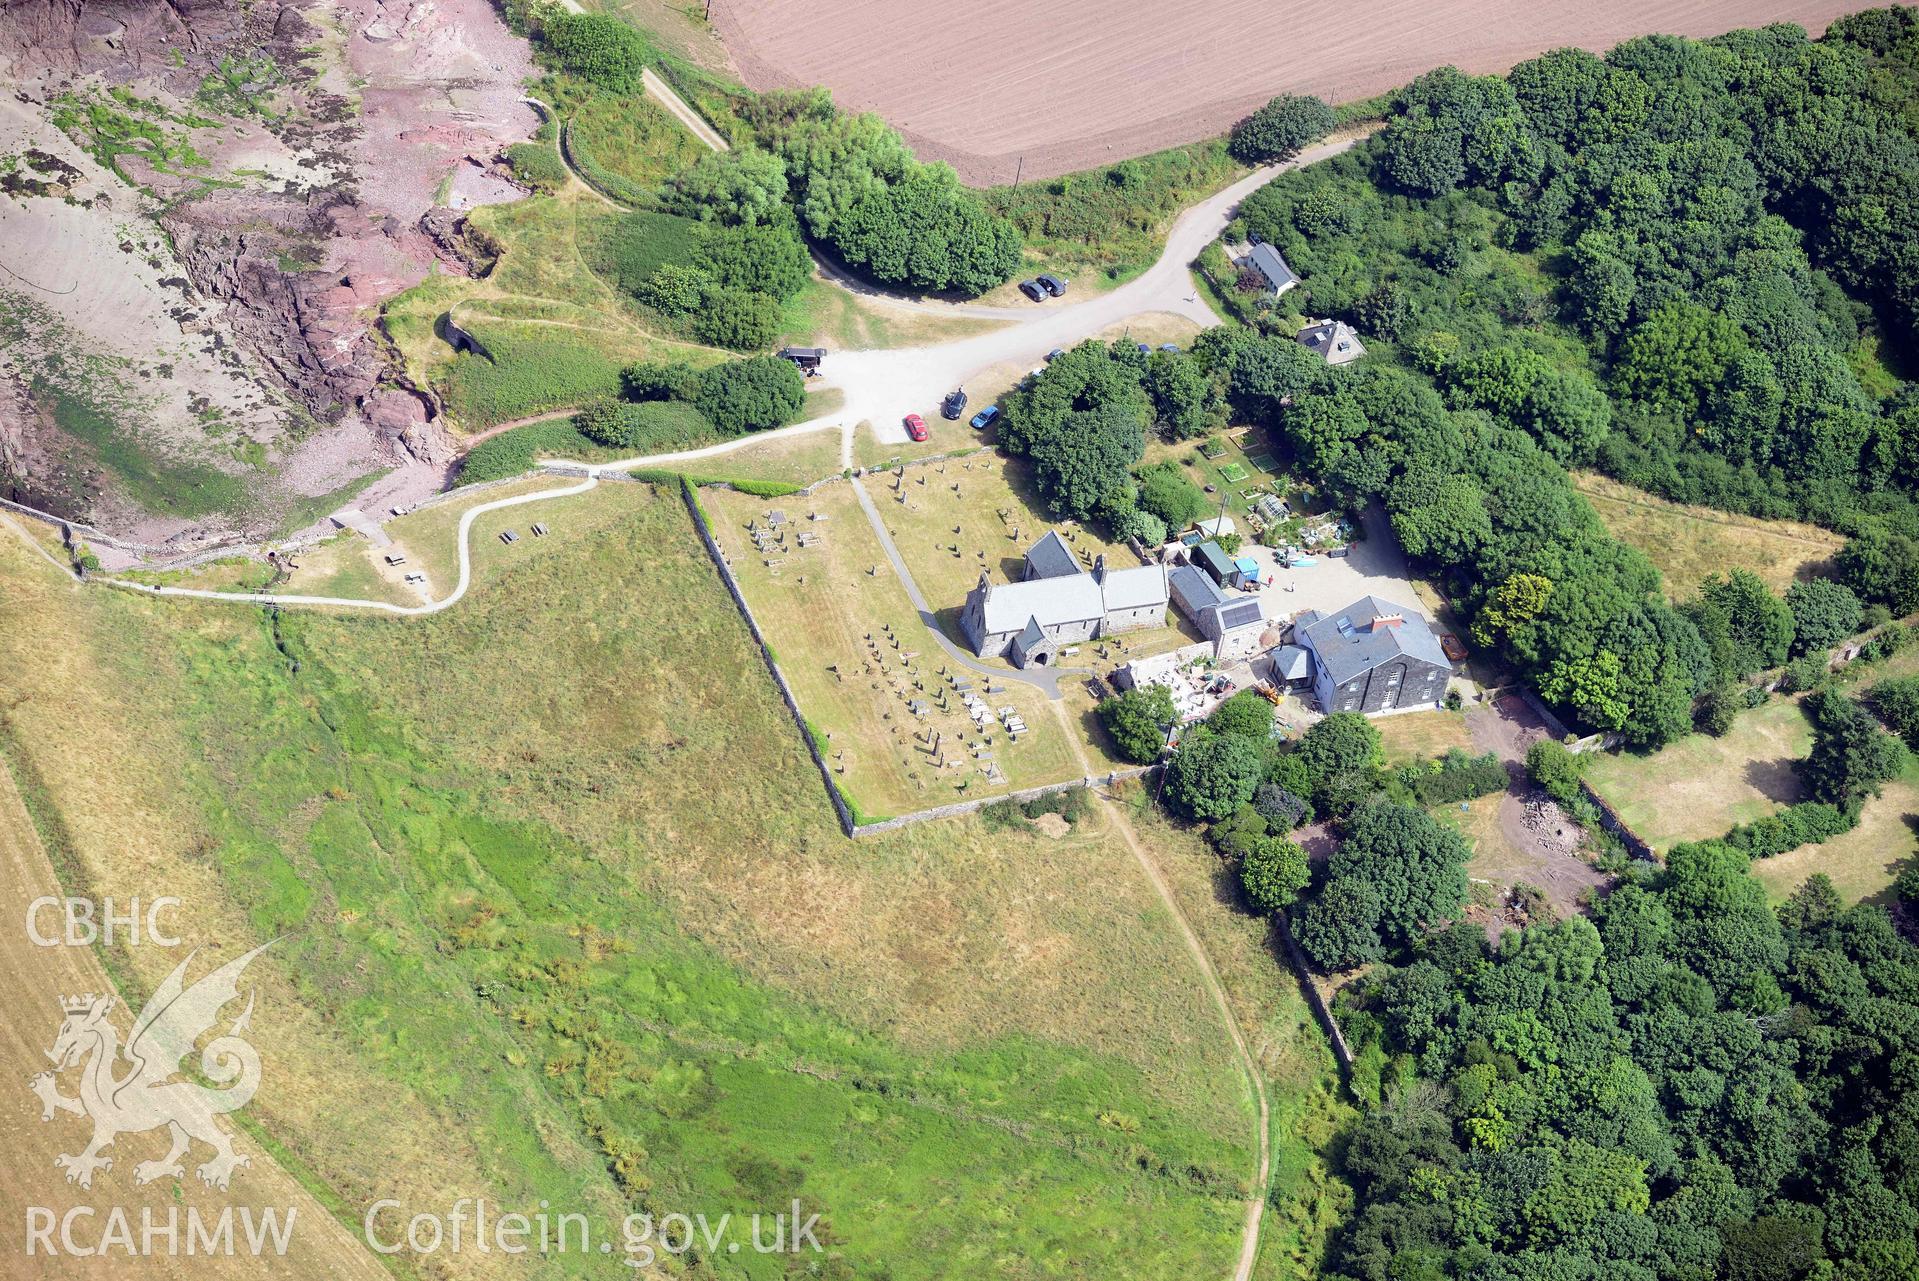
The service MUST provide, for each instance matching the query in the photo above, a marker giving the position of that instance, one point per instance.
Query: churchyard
(902, 725)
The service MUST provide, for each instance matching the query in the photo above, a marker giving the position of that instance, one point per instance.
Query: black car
(1033, 289)
(954, 405)
(1055, 354)
(1051, 284)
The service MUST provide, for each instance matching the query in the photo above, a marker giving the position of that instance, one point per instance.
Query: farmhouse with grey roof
(1028, 621)
(1373, 656)
(1333, 341)
(1272, 268)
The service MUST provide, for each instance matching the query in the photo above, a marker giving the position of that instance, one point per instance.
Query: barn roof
(1367, 633)
(1215, 559)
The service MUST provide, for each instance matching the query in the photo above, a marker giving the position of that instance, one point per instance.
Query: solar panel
(1243, 614)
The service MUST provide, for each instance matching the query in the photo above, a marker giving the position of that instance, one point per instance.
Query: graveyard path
(1045, 680)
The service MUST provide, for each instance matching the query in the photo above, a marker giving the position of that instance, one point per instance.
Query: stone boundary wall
(840, 807)
(93, 535)
(977, 803)
(1545, 713)
(1302, 971)
(1609, 818)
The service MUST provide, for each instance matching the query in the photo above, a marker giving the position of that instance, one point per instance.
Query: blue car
(984, 418)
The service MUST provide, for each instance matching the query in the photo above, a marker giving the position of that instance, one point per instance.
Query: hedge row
(757, 488)
(1807, 823)
(1458, 777)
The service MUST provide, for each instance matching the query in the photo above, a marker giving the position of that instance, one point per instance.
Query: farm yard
(1001, 88)
(902, 725)
(1514, 842)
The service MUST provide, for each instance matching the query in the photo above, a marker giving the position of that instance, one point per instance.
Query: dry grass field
(1412, 736)
(1688, 543)
(555, 880)
(1701, 786)
(1004, 87)
(1306, 1201)
(39, 978)
(1863, 862)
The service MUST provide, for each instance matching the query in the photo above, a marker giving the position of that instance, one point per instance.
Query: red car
(915, 427)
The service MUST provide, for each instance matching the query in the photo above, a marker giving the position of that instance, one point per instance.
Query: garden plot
(903, 726)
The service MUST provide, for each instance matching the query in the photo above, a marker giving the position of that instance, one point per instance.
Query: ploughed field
(1075, 84)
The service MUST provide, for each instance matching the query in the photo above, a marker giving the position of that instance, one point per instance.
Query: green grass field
(1700, 786)
(564, 915)
(554, 321)
(630, 138)
(1102, 226)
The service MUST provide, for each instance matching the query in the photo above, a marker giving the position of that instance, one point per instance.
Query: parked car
(984, 418)
(1055, 354)
(1033, 289)
(1144, 350)
(1051, 284)
(954, 405)
(1169, 346)
(915, 427)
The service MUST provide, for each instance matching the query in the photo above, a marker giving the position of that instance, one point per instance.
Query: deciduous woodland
(1692, 265)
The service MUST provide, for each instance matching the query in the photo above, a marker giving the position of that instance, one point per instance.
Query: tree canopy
(597, 47)
(752, 394)
(1137, 721)
(1279, 129)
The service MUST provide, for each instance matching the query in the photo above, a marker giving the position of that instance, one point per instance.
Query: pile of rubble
(1545, 819)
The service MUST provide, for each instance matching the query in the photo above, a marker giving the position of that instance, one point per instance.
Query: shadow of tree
(1777, 780)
